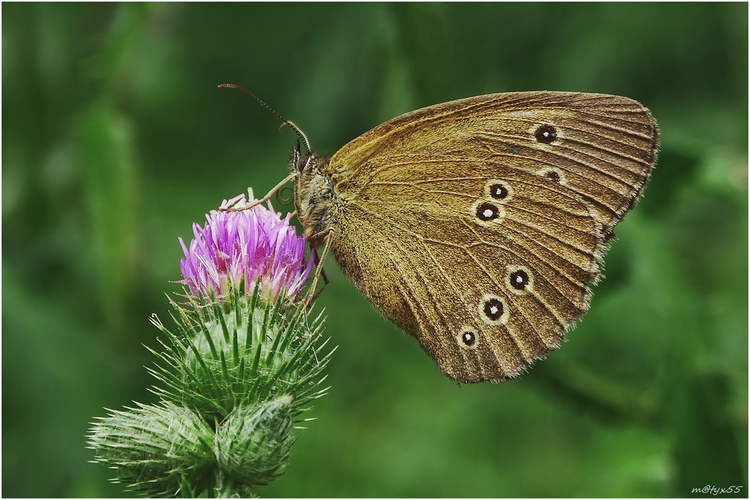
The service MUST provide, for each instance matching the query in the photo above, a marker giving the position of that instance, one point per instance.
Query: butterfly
(477, 225)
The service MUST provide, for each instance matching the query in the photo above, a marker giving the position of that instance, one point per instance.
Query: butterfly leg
(268, 195)
(319, 271)
(319, 264)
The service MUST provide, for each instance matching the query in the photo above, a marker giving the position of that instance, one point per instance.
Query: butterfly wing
(476, 225)
(437, 257)
(602, 147)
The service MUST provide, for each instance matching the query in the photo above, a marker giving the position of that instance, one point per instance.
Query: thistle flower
(236, 376)
(256, 245)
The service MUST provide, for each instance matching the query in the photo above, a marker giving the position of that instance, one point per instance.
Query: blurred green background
(115, 139)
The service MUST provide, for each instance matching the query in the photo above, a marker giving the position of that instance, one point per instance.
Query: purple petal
(235, 243)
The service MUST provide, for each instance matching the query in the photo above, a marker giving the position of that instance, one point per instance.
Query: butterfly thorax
(315, 199)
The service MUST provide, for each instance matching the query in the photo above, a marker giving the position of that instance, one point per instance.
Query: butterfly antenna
(284, 121)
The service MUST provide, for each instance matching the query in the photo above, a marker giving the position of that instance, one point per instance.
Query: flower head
(238, 243)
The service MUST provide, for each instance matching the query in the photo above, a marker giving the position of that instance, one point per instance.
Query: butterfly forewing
(603, 147)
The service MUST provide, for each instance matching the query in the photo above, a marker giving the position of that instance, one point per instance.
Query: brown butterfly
(476, 225)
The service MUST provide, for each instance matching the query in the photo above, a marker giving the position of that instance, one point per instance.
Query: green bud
(244, 352)
(154, 447)
(253, 443)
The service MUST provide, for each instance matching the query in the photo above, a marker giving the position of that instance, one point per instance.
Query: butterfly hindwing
(428, 261)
